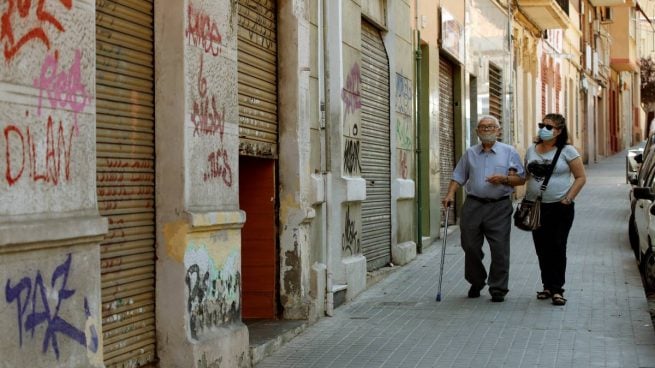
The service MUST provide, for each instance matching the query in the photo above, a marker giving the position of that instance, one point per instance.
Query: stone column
(199, 222)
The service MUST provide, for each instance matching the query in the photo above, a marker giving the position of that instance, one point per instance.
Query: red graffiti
(202, 30)
(64, 88)
(125, 192)
(206, 118)
(34, 27)
(402, 167)
(219, 167)
(124, 178)
(132, 164)
(53, 163)
(351, 93)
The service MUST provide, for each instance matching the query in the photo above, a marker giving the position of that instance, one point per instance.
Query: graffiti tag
(351, 161)
(20, 146)
(202, 31)
(403, 95)
(219, 167)
(34, 309)
(63, 88)
(350, 242)
(402, 164)
(35, 17)
(208, 303)
(350, 94)
(206, 121)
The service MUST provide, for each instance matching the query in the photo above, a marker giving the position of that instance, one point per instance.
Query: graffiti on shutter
(126, 179)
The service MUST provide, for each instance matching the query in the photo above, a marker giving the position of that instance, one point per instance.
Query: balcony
(547, 14)
(607, 2)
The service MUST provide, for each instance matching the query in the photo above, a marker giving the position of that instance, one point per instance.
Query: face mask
(546, 134)
(487, 138)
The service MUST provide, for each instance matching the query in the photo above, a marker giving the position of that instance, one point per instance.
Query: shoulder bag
(528, 213)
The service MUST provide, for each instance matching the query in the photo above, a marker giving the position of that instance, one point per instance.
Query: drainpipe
(327, 188)
(510, 92)
(419, 201)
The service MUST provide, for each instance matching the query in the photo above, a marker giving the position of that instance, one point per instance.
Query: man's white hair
(489, 117)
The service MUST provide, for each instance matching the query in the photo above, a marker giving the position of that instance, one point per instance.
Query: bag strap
(551, 168)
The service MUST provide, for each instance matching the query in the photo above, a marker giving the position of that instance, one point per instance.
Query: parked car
(633, 161)
(644, 226)
(644, 164)
(641, 227)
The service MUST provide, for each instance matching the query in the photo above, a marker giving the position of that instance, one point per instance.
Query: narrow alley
(398, 323)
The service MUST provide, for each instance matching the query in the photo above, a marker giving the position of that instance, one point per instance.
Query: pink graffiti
(205, 117)
(55, 162)
(34, 27)
(351, 93)
(202, 30)
(64, 88)
(219, 167)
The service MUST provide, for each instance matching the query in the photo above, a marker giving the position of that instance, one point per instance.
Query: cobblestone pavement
(397, 323)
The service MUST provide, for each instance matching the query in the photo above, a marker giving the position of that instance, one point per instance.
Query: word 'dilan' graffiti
(24, 159)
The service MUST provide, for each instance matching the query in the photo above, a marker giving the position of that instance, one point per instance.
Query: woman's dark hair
(560, 123)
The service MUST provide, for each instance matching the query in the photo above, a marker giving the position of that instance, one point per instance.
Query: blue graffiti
(42, 312)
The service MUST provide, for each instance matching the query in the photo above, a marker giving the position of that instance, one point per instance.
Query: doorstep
(266, 336)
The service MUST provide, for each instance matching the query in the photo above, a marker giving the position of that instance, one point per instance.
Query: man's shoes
(497, 297)
(474, 291)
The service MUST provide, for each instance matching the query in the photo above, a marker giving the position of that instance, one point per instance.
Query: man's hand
(497, 179)
(447, 200)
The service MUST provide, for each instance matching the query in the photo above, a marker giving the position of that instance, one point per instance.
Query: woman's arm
(580, 178)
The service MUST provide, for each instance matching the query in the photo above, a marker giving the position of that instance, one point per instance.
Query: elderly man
(488, 171)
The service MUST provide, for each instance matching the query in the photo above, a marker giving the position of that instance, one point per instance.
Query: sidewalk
(397, 323)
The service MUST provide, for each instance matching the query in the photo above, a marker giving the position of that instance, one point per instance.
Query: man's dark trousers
(492, 220)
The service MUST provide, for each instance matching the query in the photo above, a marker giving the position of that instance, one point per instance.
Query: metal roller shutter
(496, 93)
(446, 129)
(376, 152)
(126, 179)
(257, 64)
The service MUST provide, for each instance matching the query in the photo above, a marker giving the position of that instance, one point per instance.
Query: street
(398, 323)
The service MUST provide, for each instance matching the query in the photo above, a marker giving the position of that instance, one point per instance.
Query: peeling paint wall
(295, 211)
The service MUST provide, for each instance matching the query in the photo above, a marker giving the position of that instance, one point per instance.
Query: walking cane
(443, 252)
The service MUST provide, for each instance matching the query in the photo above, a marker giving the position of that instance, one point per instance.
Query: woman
(557, 206)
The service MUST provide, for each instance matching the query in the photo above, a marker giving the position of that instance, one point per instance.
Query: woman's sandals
(558, 299)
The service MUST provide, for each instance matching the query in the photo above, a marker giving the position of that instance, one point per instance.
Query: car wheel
(633, 236)
(648, 271)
